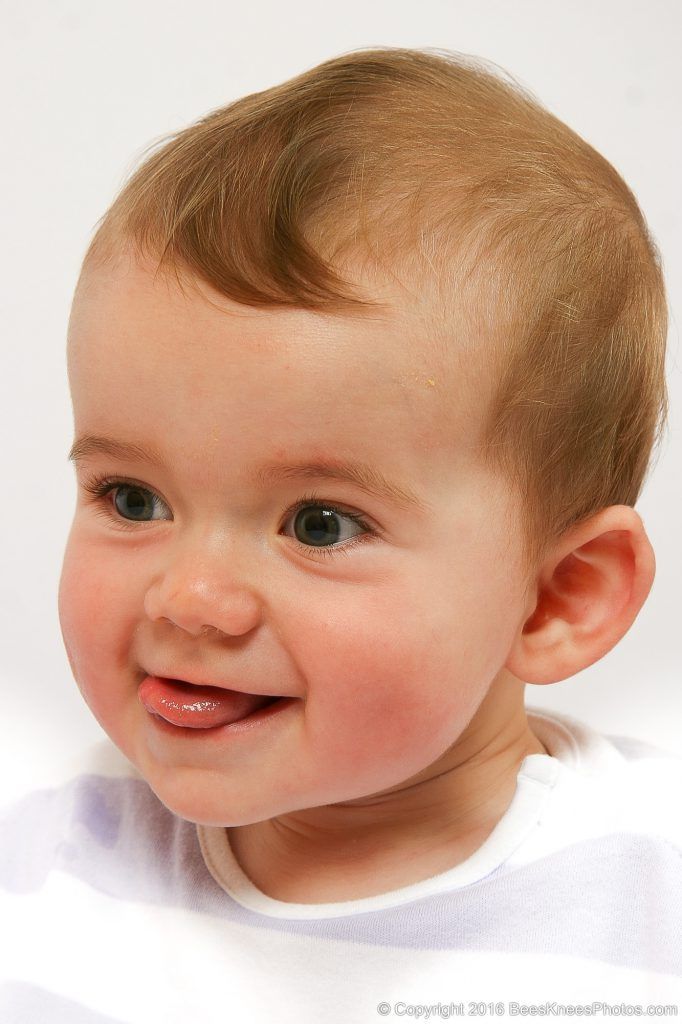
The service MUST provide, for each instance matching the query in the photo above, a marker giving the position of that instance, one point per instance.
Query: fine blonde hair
(441, 166)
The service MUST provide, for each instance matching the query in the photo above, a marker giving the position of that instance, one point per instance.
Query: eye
(322, 526)
(129, 502)
(133, 502)
(320, 529)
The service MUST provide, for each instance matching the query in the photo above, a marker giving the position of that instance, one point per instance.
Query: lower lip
(215, 733)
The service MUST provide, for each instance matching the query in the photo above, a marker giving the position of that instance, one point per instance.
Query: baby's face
(388, 632)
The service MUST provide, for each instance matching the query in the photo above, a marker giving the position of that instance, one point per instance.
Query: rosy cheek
(367, 700)
(72, 602)
(87, 610)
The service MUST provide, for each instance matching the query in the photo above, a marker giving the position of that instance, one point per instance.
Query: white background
(86, 85)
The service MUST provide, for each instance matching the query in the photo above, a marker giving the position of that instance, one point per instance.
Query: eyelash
(100, 486)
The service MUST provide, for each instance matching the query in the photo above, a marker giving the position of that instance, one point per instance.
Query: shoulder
(619, 783)
(646, 789)
(89, 811)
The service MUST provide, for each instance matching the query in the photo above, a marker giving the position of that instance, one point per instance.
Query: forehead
(199, 364)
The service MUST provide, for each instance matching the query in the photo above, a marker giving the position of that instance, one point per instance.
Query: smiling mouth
(199, 707)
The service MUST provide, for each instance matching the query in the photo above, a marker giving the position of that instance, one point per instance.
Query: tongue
(197, 707)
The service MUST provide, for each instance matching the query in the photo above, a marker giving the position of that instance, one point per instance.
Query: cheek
(92, 617)
(393, 680)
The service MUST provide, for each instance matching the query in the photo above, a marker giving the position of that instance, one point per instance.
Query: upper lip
(191, 677)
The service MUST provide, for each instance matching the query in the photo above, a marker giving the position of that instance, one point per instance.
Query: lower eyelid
(315, 554)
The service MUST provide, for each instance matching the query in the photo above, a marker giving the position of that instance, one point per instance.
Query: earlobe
(588, 594)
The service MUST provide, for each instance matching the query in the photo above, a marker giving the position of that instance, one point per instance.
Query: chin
(196, 808)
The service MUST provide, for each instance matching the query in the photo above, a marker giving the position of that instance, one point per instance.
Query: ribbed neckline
(536, 778)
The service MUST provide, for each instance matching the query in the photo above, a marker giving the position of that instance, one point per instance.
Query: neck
(414, 830)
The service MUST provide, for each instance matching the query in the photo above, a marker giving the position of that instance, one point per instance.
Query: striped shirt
(114, 910)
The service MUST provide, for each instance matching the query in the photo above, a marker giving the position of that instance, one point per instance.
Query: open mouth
(188, 706)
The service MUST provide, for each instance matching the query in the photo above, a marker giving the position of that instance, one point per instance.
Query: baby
(367, 371)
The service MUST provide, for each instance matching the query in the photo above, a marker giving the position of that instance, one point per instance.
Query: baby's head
(401, 274)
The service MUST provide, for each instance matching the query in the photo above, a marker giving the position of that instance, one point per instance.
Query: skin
(408, 654)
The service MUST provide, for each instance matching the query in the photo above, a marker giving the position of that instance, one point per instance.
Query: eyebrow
(89, 445)
(365, 477)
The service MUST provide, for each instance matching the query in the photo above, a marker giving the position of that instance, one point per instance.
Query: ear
(587, 595)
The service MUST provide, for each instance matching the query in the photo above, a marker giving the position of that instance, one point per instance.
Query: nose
(199, 595)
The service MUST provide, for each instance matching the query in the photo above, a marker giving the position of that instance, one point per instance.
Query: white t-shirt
(113, 910)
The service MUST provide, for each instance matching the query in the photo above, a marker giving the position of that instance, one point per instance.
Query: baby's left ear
(588, 593)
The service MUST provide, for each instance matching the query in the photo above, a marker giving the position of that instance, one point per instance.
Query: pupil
(134, 505)
(320, 523)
